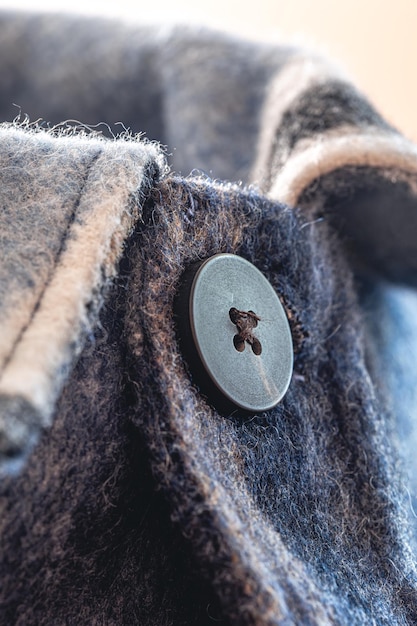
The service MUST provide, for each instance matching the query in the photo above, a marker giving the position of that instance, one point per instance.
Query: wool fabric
(127, 497)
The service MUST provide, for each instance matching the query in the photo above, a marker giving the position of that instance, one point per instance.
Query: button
(235, 334)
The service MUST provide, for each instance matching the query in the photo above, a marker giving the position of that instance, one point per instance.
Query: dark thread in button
(245, 322)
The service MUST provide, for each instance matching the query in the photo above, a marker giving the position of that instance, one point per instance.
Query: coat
(127, 496)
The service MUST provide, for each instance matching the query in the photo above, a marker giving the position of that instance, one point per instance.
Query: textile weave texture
(126, 496)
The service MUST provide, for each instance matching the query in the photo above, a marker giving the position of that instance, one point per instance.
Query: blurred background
(374, 40)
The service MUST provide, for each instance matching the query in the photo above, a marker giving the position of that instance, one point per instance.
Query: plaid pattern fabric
(126, 497)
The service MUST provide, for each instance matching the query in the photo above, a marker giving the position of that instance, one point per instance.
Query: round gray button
(240, 332)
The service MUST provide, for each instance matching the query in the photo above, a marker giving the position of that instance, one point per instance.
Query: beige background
(374, 40)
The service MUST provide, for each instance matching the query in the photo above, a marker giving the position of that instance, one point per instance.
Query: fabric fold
(61, 244)
(324, 148)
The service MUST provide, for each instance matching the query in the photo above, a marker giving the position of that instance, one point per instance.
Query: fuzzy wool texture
(126, 497)
(61, 243)
(293, 497)
(86, 537)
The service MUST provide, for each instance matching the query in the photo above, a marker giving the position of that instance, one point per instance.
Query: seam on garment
(56, 261)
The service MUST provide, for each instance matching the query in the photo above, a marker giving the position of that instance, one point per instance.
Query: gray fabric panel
(97, 72)
(199, 93)
(214, 89)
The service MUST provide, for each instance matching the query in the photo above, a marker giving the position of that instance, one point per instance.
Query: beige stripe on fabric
(329, 152)
(107, 210)
(41, 182)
